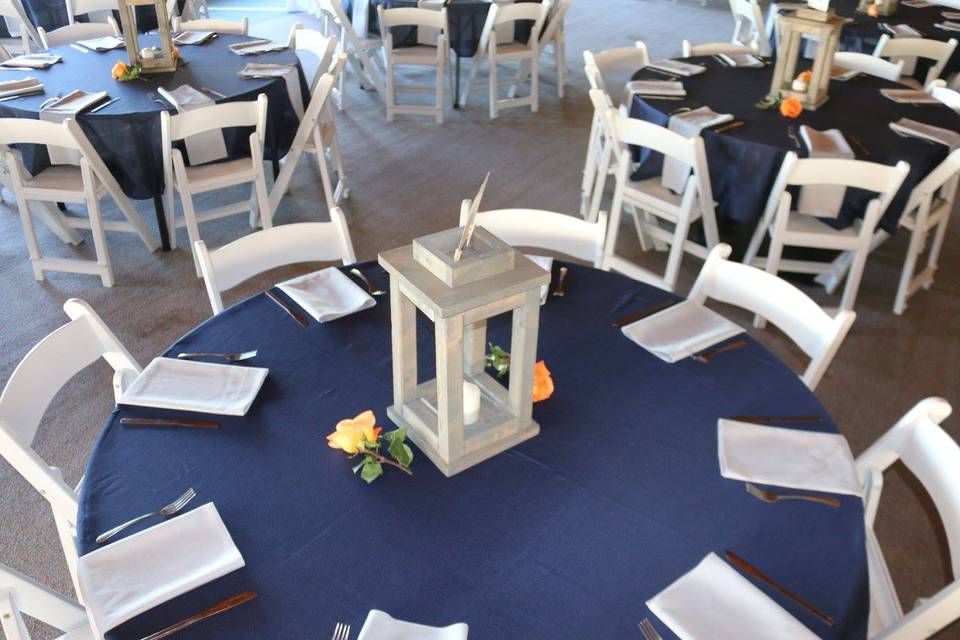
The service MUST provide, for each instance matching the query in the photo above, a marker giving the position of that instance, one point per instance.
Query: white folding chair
(329, 27)
(909, 49)
(865, 63)
(557, 232)
(788, 226)
(495, 54)
(94, 10)
(85, 183)
(22, 595)
(436, 55)
(949, 97)
(30, 390)
(600, 145)
(813, 330)
(360, 48)
(23, 35)
(210, 24)
(657, 202)
(77, 31)
(933, 457)
(285, 244)
(748, 26)
(554, 36)
(630, 59)
(690, 50)
(193, 180)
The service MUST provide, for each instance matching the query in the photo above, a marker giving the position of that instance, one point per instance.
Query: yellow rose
(118, 70)
(351, 433)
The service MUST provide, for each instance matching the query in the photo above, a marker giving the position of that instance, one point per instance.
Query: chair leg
(535, 81)
(934, 257)
(680, 233)
(590, 166)
(773, 260)
(560, 59)
(755, 241)
(53, 220)
(494, 90)
(522, 72)
(30, 236)
(471, 78)
(710, 233)
(914, 249)
(613, 225)
(391, 96)
(99, 237)
(600, 181)
(853, 279)
(439, 104)
(193, 229)
(263, 199)
(338, 165)
(324, 170)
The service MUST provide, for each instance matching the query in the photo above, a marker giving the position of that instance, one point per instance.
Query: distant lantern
(822, 26)
(151, 60)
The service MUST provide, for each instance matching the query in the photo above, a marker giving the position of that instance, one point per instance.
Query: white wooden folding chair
(23, 37)
(94, 10)
(495, 54)
(788, 226)
(748, 26)
(211, 24)
(690, 49)
(436, 55)
(813, 330)
(548, 230)
(870, 65)
(228, 266)
(656, 202)
(599, 145)
(329, 26)
(947, 96)
(22, 595)
(933, 457)
(85, 183)
(554, 37)
(193, 180)
(360, 48)
(30, 390)
(76, 32)
(909, 49)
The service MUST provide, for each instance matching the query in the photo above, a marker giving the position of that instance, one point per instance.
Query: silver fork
(646, 628)
(229, 357)
(341, 632)
(370, 288)
(171, 509)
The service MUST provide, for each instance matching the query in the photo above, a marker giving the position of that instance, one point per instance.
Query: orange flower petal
(542, 382)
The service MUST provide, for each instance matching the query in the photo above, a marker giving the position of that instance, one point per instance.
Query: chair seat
(913, 83)
(805, 225)
(419, 54)
(218, 174)
(61, 177)
(651, 192)
(513, 50)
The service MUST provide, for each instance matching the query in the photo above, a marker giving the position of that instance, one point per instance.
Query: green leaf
(401, 452)
(371, 470)
(498, 360)
(397, 435)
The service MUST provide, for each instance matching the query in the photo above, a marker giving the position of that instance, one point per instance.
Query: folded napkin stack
(201, 147)
(677, 67)
(951, 15)
(327, 294)
(909, 96)
(656, 88)
(742, 60)
(787, 458)
(184, 385)
(286, 71)
(948, 26)
(193, 37)
(32, 61)
(689, 124)
(714, 601)
(148, 568)
(255, 47)
(900, 30)
(20, 87)
(908, 127)
(105, 43)
(823, 201)
(680, 331)
(382, 626)
(842, 74)
(68, 107)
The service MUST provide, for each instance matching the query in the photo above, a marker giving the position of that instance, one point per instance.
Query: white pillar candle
(471, 403)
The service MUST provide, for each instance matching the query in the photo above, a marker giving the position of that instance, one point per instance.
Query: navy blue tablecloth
(744, 162)
(126, 134)
(563, 537)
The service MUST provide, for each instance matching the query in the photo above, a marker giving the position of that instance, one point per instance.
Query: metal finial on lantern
(155, 60)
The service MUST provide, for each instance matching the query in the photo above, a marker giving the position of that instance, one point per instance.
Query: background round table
(126, 133)
(744, 162)
(564, 536)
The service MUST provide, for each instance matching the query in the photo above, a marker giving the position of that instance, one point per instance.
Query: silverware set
(648, 631)
(771, 497)
(374, 291)
(229, 357)
(170, 510)
(341, 632)
(559, 292)
(710, 355)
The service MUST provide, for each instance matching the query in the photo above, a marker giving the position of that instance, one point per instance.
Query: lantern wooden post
(166, 61)
(826, 29)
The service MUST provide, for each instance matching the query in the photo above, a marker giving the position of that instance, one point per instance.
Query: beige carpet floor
(407, 179)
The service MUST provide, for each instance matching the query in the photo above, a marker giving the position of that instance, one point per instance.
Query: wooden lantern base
(808, 103)
(158, 65)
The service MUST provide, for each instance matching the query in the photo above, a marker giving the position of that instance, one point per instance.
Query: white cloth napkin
(106, 43)
(951, 15)
(688, 124)
(901, 30)
(170, 383)
(20, 87)
(786, 457)
(948, 26)
(713, 601)
(908, 127)
(327, 294)
(139, 572)
(286, 71)
(742, 60)
(545, 263)
(681, 331)
(678, 67)
(68, 107)
(428, 35)
(823, 200)
(255, 47)
(32, 61)
(383, 626)
(656, 88)
(201, 147)
(193, 37)
(911, 96)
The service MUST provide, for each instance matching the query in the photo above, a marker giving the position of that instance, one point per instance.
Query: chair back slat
(27, 131)
(634, 131)
(218, 116)
(211, 24)
(412, 16)
(78, 31)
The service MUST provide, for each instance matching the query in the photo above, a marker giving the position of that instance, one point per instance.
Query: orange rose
(118, 70)
(176, 53)
(350, 434)
(791, 108)
(874, 11)
(542, 382)
(806, 76)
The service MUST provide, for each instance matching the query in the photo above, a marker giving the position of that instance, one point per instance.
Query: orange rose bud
(542, 382)
(118, 70)
(806, 76)
(874, 11)
(791, 108)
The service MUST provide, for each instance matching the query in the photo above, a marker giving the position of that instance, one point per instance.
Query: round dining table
(126, 133)
(744, 161)
(565, 536)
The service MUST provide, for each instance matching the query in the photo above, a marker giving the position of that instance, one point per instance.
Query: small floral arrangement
(122, 71)
(874, 10)
(791, 107)
(802, 82)
(360, 436)
(499, 360)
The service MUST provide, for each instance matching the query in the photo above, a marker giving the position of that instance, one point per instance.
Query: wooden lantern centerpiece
(825, 27)
(165, 61)
(458, 296)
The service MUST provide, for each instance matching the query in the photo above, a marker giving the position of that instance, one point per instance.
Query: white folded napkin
(951, 15)
(786, 457)
(713, 601)
(948, 26)
(186, 385)
(656, 88)
(545, 263)
(742, 60)
(900, 30)
(201, 147)
(136, 573)
(917, 4)
(106, 43)
(842, 74)
(327, 294)
(32, 61)
(678, 67)
(286, 71)
(254, 47)
(193, 37)
(428, 35)
(688, 124)
(823, 200)
(908, 127)
(20, 87)
(911, 96)
(68, 107)
(382, 626)
(681, 331)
